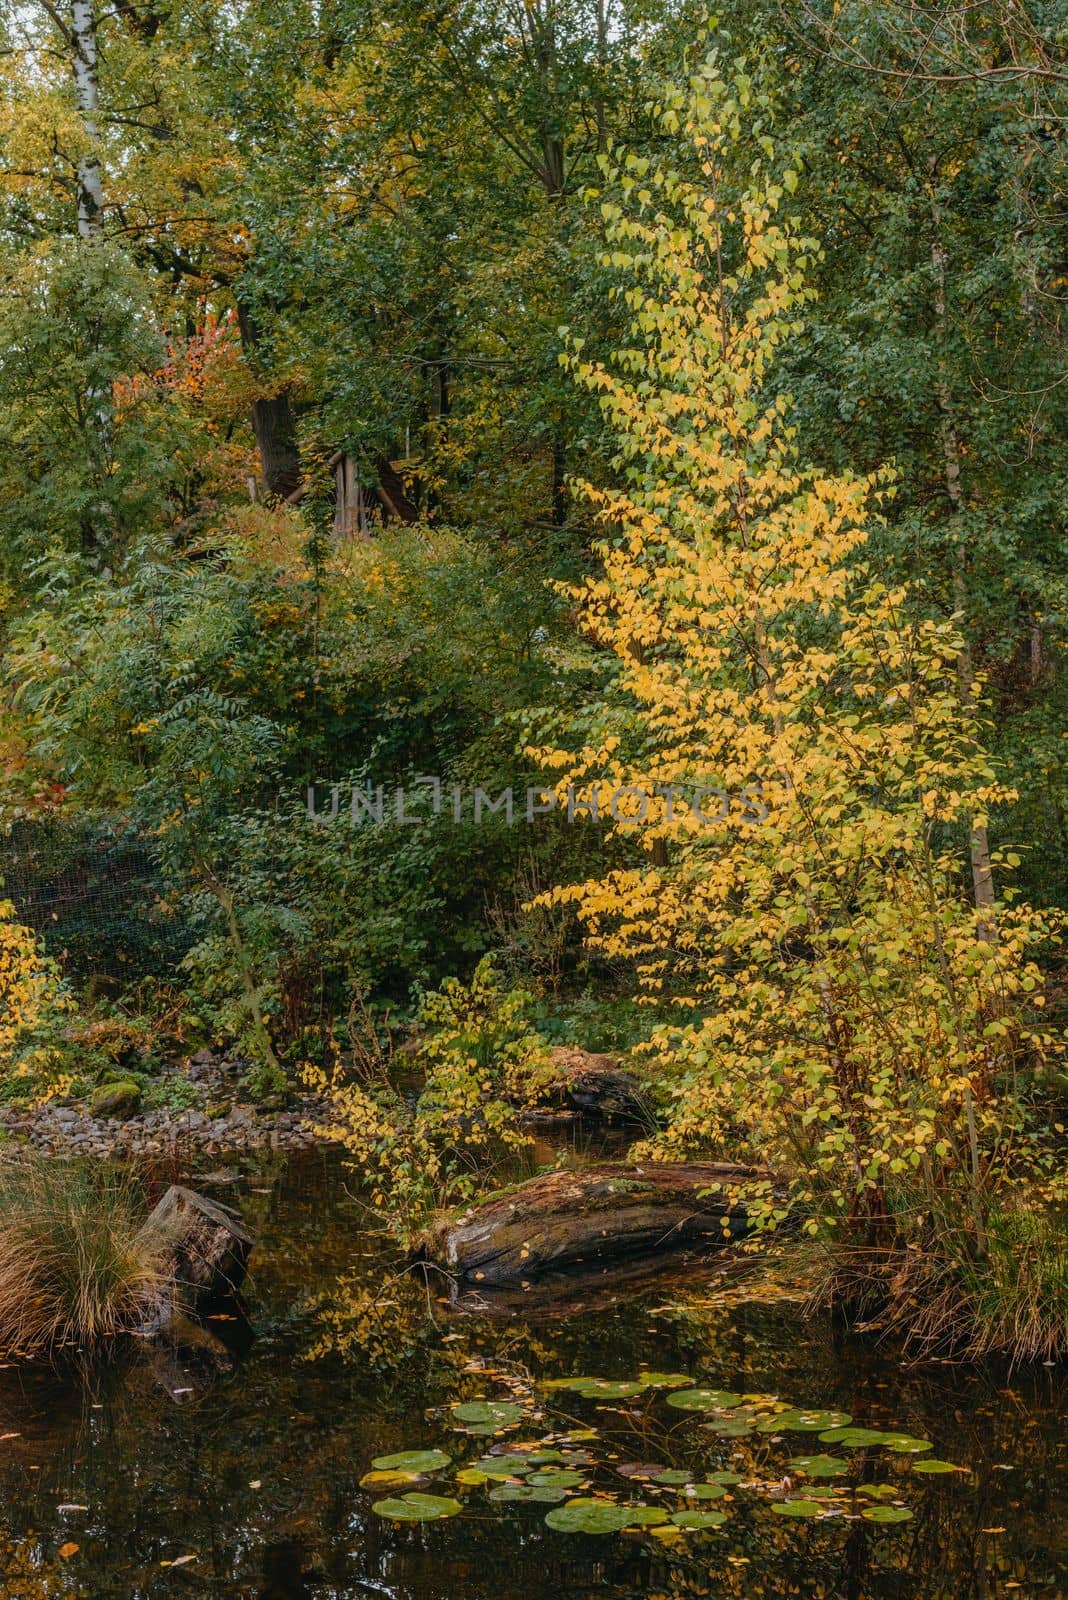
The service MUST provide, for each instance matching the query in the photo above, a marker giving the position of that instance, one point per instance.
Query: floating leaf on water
(886, 1513)
(608, 1389)
(698, 1519)
(557, 1478)
(416, 1461)
(418, 1508)
(703, 1399)
(820, 1466)
(728, 1479)
(673, 1475)
(648, 1469)
(877, 1491)
(470, 1477)
(508, 1466)
(932, 1464)
(855, 1438)
(528, 1492)
(538, 1456)
(579, 1435)
(903, 1444)
(577, 1384)
(704, 1491)
(382, 1478)
(590, 1516)
(664, 1380)
(645, 1516)
(67, 1550)
(800, 1421)
(797, 1508)
(488, 1413)
(730, 1427)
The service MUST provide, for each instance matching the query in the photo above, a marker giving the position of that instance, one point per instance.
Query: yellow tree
(785, 738)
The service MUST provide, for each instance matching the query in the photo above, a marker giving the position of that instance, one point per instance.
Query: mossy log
(597, 1214)
(593, 1085)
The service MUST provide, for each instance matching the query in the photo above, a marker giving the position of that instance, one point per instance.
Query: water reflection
(256, 1475)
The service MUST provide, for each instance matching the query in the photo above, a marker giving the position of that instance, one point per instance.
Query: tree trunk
(207, 1245)
(87, 96)
(272, 423)
(599, 1214)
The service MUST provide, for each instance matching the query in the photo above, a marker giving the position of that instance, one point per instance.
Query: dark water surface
(257, 1475)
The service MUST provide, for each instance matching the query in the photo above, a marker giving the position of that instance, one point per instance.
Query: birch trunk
(87, 94)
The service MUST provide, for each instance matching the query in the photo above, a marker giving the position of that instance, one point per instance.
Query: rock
(597, 1214)
(206, 1243)
(119, 1099)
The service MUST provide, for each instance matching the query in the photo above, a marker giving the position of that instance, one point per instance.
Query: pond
(143, 1479)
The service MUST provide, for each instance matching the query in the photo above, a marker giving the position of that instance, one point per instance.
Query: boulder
(120, 1099)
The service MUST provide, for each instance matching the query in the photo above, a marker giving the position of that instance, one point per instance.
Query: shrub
(76, 1267)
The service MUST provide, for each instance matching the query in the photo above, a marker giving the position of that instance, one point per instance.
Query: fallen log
(204, 1244)
(596, 1214)
(593, 1085)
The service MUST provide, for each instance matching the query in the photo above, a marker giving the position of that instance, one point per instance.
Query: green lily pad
(665, 1380)
(609, 1389)
(820, 1466)
(855, 1438)
(728, 1479)
(510, 1466)
(418, 1508)
(903, 1444)
(730, 1427)
(472, 1477)
(591, 1516)
(877, 1491)
(557, 1478)
(796, 1508)
(538, 1457)
(673, 1475)
(704, 1491)
(417, 1461)
(698, 1519)
(886, 1513)
(932, 1464)
(541, 1493)
(577, 1383)
(800, 1421)
(491, 1414)
(703, 1400)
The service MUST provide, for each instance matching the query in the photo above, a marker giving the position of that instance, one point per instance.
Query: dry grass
(75, 1268)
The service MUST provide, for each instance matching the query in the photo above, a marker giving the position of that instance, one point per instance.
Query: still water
(153, 1477)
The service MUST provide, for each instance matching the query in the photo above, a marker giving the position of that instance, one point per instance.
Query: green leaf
(703, 1399)
(886, 1513)
(491, 1414)
(418, 1508)
(932, 1464)
(796, 1508)
(820, 1466)
(698, 1519)
(417, 1461)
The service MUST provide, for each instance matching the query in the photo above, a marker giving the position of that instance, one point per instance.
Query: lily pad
(903, 1444)
(557, 1478)
(673, 1475)
(491, 1414)
(384, 1479)
(665, 1380)
(703, 1399)
(796, 1508)
(609, 1389)
(590, 1516)
(698, 1519)
(886, 1513)
(540, 1493)
(932, 1464)
(855, 1438)
(877, 1491)
(418, 1508)
(704, 1491)
(820, 1466)
(728, 1479)
(472, 1477)
(730, 1427)
(799, 1421)
(509, 1466)
(416, 1461)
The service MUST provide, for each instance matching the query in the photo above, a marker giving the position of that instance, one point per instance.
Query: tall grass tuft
(76, 1267)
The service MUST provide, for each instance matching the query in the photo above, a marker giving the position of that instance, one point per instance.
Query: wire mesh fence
(93, 891)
